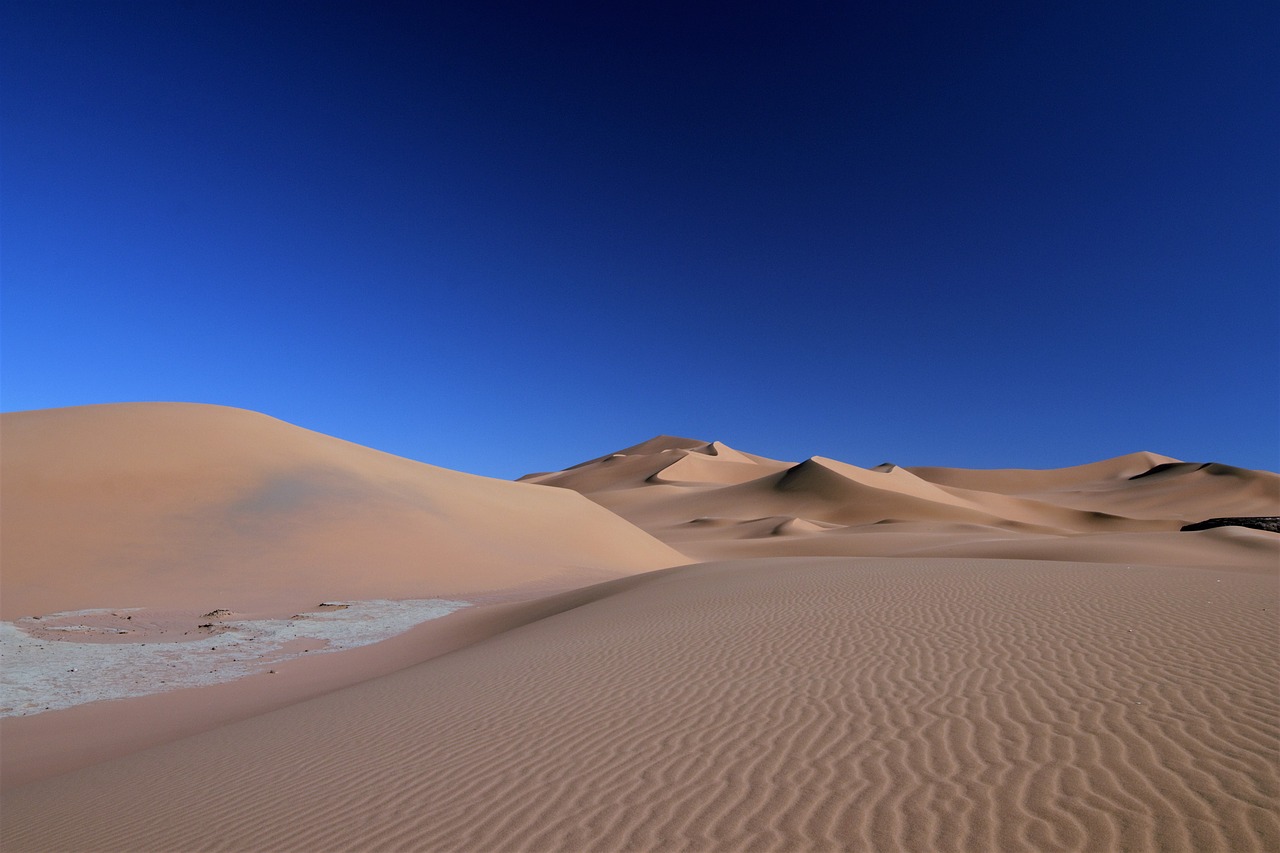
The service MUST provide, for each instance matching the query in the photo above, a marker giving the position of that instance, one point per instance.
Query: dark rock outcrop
(1269, 523)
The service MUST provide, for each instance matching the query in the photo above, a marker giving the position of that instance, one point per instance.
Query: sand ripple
(799, 704)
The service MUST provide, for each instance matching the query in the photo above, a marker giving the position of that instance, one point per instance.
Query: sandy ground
(802, 703)
(69, 659)
(866, 659)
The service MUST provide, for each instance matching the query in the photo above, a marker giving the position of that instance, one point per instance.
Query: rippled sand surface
(819, 703)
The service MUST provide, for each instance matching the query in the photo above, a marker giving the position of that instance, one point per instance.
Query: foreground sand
(870, 659)
(805, 703)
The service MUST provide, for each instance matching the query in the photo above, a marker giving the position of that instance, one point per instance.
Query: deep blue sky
(507, 237)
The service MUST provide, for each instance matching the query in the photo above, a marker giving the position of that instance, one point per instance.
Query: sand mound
(1015, 481)
(789, 526)
(176, 505)
(1120, 506)
(664, 460)
(1162, 489)
(859, 495)
(911, 704)
(721, 469)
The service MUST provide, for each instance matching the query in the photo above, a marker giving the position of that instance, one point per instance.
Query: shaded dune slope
(912, 704)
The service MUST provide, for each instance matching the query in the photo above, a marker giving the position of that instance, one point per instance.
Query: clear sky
(507, 237)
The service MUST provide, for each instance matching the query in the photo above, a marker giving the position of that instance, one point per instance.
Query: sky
(508, 237)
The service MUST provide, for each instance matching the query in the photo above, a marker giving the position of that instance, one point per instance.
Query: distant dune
(677, 646)
(712, 502)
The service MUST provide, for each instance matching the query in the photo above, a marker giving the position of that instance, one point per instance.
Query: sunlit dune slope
(183, 505)
(663, 460)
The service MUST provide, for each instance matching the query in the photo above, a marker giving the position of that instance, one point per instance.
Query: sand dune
(1012, 481)
(139, 521)
(860, 495)
(777, 705)
(883, 658)
(188, 506)
(1162, 488)
(660, 461)
(1116, 510)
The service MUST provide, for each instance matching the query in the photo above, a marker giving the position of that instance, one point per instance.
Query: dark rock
(1269, 523)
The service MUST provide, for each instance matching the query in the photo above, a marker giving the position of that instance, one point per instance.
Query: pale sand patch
(775, 704)
(41, 672)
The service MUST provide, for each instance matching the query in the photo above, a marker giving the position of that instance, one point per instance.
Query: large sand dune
(177, 505)
(870, 659)
(127, 527)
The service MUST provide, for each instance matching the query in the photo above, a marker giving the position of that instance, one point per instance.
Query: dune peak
(660, 443)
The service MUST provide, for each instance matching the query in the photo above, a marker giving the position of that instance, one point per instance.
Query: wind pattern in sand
(819, 703)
